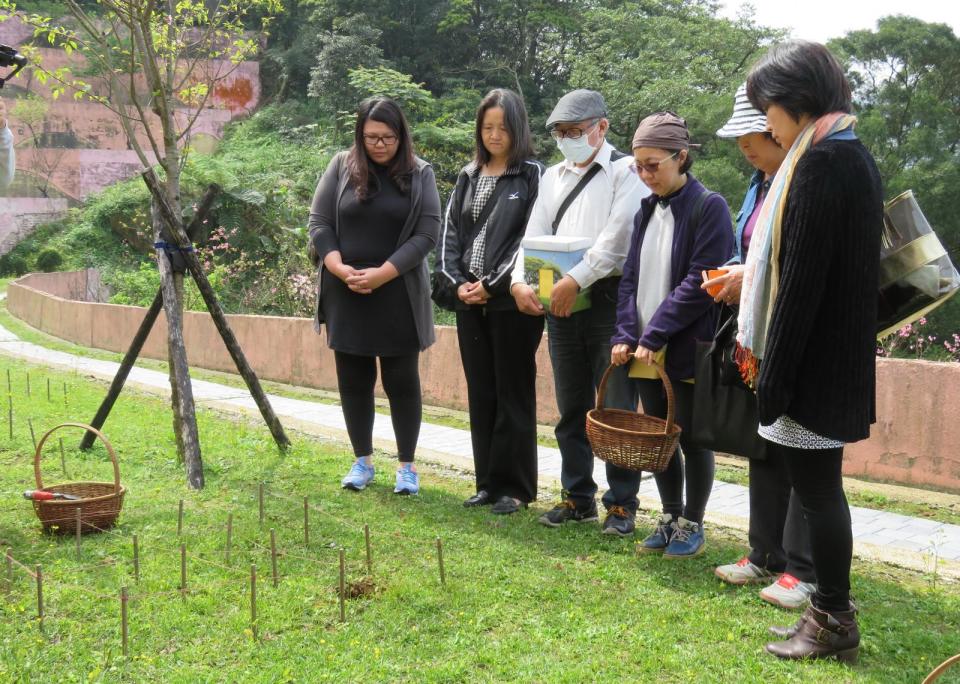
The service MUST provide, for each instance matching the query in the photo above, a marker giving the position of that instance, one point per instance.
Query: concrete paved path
(891, 537)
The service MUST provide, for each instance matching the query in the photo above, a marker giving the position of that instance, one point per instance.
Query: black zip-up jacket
(505, 226)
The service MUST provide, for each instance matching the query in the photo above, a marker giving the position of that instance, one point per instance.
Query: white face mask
(576, 151)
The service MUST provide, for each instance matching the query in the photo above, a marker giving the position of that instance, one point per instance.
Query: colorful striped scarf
(761, 276)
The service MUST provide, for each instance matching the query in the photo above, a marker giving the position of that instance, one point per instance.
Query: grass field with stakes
(520, 602)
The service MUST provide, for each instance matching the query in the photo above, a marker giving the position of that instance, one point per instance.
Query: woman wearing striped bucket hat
(779, 544)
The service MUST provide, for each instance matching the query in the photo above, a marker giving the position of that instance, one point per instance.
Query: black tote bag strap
(577, 189)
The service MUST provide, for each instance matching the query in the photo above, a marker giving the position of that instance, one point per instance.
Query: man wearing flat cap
(602, 209)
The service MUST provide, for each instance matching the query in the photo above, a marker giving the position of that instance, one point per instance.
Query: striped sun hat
(745, 118)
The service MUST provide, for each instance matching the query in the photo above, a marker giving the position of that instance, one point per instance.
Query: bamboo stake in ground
(443, 576)
(253, 601)
(180, 519)
(123, 620)
(229, 536)
(136, 560)
(28, 384)
(48, 389)
(9, 383)
(306, 522)
(366, 536)
(40, 597)
(183, 571)
(343, 587)
(33, 435)
(273, 557)
(260, 496)
(63, 459)
(64, 393)
(79, 523)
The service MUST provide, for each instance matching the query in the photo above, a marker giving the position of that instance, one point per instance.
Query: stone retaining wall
(914, 441)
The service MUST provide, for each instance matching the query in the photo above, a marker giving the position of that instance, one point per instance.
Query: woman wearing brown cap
(681, 230)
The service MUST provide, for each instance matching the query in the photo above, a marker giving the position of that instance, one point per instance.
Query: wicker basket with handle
(632, 440)
(99, 502)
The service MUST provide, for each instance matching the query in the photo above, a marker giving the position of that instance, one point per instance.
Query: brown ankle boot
(822, 635)
(787, 632)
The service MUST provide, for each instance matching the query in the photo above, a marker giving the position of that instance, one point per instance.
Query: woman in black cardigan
(484, 222)
(808, 317)
(375, 218)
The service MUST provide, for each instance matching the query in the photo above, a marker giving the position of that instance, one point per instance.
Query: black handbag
(443, 291)
(725, 415)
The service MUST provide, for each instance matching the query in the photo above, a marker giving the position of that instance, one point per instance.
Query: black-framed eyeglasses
(652, 167)
(385, 140)
(573, 133)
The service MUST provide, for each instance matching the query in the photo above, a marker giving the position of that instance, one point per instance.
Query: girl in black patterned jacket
(484, 222)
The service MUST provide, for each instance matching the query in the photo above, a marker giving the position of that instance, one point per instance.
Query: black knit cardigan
(819, 367)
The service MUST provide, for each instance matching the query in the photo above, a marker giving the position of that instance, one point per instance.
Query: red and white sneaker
(788, 592)
(743, 572)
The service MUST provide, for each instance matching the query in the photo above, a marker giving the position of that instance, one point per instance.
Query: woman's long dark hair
(514, 120)
(402, 165)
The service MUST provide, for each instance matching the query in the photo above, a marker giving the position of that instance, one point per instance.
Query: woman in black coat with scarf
(808, 316)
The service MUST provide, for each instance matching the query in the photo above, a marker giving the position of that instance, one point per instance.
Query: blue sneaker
(408, 482)
(359, 477)
(687, 540)
(658, 540)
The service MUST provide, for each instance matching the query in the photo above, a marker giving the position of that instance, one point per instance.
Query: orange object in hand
(714, 290)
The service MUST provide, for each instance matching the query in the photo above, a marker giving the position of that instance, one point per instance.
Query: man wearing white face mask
(606, 195)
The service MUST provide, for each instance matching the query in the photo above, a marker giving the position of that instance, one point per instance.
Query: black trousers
(400, 375)
(694, 468)
(778, 535)
(816, 476)
(498, 352)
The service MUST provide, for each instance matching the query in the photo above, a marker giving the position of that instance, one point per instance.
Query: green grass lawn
(521, 603)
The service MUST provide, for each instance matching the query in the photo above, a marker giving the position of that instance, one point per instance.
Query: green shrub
(49, 260)
(13, 265)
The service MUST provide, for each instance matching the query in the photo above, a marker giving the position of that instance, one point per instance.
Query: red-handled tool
(40, 495)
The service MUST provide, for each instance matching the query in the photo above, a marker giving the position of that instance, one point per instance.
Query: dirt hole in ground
(360, 588)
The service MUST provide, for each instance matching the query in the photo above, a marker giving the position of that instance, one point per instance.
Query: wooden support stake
(9, 383)
(174, 224)
(306, 521)
(79, 524)
(64, 393)
(33, 435)
(260, 495)
(136, 560)
(183, 571)
(229, 536)
(343, 587)
(443, 576)
(48, 389)
(273, 557)
(366, 537)
(28, 384)
(123, 620)
(63, 459)
(116, 386)
(40, 597)
(180, 519)
(253, 601)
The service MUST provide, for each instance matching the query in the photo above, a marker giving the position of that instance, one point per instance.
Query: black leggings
(816, 476)
(400, 375)
(695, 468)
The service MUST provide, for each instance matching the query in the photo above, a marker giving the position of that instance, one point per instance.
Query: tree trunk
(184, 415)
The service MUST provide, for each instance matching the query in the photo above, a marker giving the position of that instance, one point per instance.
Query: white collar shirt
(603, 211)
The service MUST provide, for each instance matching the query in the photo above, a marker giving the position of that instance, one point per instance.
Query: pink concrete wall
(914, 441)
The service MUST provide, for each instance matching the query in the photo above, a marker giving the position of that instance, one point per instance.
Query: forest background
(438, 58)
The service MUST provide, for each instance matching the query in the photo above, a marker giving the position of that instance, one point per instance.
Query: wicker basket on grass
(632, 440)
(99, 502)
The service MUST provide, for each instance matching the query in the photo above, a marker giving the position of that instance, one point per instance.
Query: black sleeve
(449, 251)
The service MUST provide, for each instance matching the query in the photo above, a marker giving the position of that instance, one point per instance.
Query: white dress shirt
(7, 159)
(603, 211)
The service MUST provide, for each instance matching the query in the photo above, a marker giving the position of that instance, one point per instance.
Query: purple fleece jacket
(688, 313)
